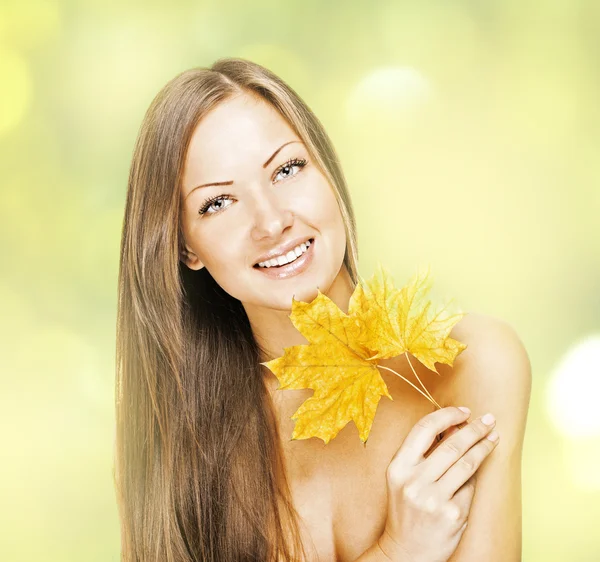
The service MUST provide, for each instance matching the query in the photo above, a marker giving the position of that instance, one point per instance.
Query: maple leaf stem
(411, 384)
(415, 372)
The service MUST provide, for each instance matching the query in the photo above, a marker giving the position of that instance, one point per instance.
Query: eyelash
(301, 162)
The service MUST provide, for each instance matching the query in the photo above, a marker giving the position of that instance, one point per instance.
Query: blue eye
(300, 163)
(207, 204)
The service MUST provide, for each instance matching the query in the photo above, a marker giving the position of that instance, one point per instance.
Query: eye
(292, 163)
(208, 203)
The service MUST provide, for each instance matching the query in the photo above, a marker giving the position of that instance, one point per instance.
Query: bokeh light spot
(572, 394)
(388, 94)
(16, 91)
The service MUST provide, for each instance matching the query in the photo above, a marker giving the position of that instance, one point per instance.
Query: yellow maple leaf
(395, 321)
(348, 386)
(340, 362)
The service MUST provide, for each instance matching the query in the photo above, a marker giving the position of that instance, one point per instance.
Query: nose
(271, 218)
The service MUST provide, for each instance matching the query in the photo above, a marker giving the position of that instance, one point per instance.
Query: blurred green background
(469, 132)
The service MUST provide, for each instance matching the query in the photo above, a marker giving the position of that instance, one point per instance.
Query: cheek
(331, 218)
(319, 205)
(221, 256)
(212, 250)
(215, 241)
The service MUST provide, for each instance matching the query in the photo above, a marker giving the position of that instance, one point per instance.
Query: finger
(453, 449)
(422, 435)
(463, 497)
(462, 501)
(453, 430)
(443, 436)
(466, 466)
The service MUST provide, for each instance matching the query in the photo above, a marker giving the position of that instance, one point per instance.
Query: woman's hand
(431, 487)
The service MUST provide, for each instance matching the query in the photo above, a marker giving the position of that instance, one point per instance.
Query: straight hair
(198, 466)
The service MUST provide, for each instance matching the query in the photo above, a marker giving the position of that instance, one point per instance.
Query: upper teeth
(286, 258)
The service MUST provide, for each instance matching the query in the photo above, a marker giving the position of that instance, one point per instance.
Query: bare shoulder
(493, 374)
(494, 369)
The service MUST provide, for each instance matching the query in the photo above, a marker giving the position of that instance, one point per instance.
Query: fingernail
(493, 435)
(464, 409)
(488, 419)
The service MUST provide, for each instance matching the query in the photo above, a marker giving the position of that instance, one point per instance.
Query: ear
(190, 259)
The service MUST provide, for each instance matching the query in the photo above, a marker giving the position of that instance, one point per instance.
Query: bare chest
(339, 490)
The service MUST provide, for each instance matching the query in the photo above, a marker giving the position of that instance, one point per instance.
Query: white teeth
(287, 258)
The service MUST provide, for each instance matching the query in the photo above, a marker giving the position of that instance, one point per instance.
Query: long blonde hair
(199, 470)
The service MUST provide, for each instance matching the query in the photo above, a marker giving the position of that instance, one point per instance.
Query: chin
(282, 300)
(305, 295)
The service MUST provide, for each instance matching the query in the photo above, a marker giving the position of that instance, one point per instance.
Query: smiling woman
(206, 283)
(237, 204)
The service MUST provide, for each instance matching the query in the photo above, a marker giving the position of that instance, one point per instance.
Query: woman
(231, 169)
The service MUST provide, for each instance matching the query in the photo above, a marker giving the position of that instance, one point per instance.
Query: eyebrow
(231, 181)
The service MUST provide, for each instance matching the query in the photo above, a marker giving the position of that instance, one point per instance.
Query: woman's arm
(382, 551)
(496, 378)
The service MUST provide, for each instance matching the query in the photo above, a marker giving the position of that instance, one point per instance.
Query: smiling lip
(290, 269)
(281, 250)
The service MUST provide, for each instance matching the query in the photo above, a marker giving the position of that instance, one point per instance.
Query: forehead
(237, 132)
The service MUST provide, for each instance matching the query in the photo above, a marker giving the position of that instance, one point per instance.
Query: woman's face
(271, 193)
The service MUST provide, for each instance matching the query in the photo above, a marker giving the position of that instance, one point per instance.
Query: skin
(269, 206)
(340, 489)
